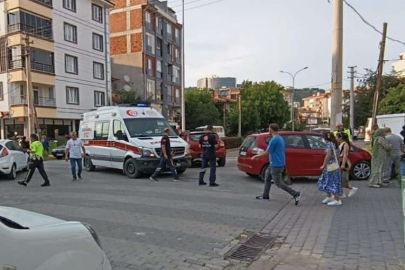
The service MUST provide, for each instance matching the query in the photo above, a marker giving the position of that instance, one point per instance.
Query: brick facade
(136, 18)
(118, 22)
(136, 42)
(137, 2)
(120, 3)
(118, 45)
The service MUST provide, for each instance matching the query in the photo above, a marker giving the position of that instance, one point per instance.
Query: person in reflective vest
(341, 129)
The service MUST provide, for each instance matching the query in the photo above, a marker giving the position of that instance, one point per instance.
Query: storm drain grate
(252, 248)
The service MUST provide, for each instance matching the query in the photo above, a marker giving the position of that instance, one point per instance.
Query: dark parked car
(59, 152)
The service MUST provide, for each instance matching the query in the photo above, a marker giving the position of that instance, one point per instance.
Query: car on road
(304, 156)
(59, 152)
(32, 241)
(13, 158)
(217, 129)
(193, 139)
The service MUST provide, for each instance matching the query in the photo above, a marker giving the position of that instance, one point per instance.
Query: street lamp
(292, 96)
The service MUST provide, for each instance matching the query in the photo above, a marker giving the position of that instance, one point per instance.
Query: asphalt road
(153, 225)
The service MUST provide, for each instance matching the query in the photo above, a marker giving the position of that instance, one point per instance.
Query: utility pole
(240, 117)
(379, 75)
(224, 112)
(183, 75)
(30, 102)
(352, 76)
(337, 64)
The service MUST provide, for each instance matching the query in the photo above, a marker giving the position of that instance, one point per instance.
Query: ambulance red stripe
(113, 144)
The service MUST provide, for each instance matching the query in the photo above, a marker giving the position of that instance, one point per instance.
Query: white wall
(85, 53)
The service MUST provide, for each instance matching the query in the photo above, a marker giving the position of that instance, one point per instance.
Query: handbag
(335, 165)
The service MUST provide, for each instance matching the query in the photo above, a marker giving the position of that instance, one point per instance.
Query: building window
(98, 70)
(70, 4)
(150, 90)
(97, 13)
(42, 61)
(177, 55)
(1, 91)
(150, 43)
(177, 35)
(169, 94)
(170, 52)
(176, 75)
(149, 67)
(72, 95)
(98, 42)
(159, 70)
(169, 31)
(51, 92)
(177, 96)
(70, 32)
(170, 73)
(99, 99)
(29, 23)
(159, 92)
(148, 19)
(159, 50)
(71, 64)
(101, 131)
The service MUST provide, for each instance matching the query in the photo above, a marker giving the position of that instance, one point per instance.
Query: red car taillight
(4, 153)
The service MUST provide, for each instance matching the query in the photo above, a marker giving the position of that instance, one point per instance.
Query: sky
(255, 39)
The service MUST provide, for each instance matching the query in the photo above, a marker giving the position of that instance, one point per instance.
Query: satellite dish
(127, 78)
(127, 88)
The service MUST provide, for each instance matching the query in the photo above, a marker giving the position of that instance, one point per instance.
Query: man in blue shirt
(276, 149)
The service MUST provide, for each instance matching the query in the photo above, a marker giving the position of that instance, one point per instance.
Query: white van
(217, 129)
(393, 121)
(128, 138)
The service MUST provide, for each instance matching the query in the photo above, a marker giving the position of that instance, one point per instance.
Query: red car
(304, 156)
(193, 139)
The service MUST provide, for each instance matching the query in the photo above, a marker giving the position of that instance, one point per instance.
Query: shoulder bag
(335, 165)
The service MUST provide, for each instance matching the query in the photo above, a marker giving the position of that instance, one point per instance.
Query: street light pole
(293, 94)
(183, 81)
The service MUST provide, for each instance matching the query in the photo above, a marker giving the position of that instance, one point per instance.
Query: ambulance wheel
(131, 169)
(88, 164)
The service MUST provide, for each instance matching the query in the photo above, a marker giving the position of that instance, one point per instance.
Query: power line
(369, 24)
(201, 6)
(187, 3)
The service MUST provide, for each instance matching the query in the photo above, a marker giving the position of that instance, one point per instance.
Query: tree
(394, 101)
(262, 104)
(200, 109)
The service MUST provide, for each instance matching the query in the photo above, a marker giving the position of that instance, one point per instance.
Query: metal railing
(38, 101)
(35, 66)
(44, 31)
(44, 2)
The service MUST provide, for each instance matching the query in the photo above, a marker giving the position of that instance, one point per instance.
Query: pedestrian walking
(75, 152)
(207, 143)
(355, 134)
(396, 153)
(24, 143)
(45, 143)
(344, 162)
(166, 158)
(36, 162)
(330, 180)
(381, 152)
(276, 150)
(341, 129)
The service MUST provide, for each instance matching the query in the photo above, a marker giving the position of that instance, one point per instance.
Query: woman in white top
(345, 166)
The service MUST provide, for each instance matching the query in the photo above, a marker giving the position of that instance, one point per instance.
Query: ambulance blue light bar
(142, 104)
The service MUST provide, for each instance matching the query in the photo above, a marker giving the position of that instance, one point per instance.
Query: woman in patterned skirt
(331, 181)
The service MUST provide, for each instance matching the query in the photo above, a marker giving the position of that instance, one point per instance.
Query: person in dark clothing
(36, 162)
(403, 133)
(24, 143)
(207, 143)
(165, 158)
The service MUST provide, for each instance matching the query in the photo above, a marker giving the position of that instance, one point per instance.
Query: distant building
(226, 94)
(399, 66)
(216, 83)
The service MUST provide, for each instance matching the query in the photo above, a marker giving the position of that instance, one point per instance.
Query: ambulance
(128, 138)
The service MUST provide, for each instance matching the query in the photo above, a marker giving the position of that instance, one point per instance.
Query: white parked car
(32, 241)
(12, 158)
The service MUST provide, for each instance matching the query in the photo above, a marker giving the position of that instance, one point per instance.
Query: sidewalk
(365, 233)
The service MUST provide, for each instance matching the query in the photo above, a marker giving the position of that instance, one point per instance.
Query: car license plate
(59, 155)
(243, 153)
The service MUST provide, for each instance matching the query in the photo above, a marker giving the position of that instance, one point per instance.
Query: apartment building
(318, 106)
(216, 83)
(146, 53)
(69, 52)
(399, 66)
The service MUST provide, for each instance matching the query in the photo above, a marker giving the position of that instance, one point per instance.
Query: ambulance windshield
(147, 127)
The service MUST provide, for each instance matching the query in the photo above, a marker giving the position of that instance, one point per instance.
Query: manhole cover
(252, 248)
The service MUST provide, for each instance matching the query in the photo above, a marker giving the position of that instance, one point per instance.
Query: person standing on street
(381, 152)
(355, 134)
(397, 150)
(24, 143)
(36, 162)
(330, 180)
(341, 129)
(165, 158)
(75, 152)
(276, 149)
(207, 143)
(344, 162)
(179, 131)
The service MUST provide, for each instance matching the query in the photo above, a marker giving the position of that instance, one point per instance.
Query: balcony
(38, 101)
(43, 32)
(35, 66)
(44, 2)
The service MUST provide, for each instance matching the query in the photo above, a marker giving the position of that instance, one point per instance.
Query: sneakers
(153, 179)
(353, 191)
(375, 186)
(22, 183)
(79, 176)
(328, 200)
(262, 198)
(202, 184)
(46, 184)
(335, 203)
(175, 180)
(343, 196)
(214, 185)
(297, 198)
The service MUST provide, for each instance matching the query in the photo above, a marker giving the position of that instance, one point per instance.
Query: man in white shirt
(397, 151)
(75, 152)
